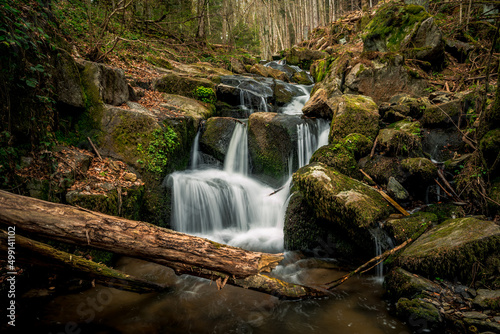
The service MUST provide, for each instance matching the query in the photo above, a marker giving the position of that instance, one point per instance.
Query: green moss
(182, 85)
(420, 167)
(490, 145)
(452, 249)
(400, 283)
(358, 114)
(393, 22)
(445, 211)
(419, 309)
(409, 227)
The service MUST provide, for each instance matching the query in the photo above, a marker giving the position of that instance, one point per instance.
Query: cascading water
(195, 151)
(237, 154)
(310, 137)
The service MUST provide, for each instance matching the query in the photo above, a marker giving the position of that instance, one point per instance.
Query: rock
(110, 82)
(272, 138)
(304, 232)
(475, 315)
(482, 326)
(67, 81)
(371, 78)
(428, 44)
(181, 84)
(303, 57)
(445, 211)
(400, 139)
(346, 203)
(409, 28)
(450, 250)
(409, 227)
(266, 71)
(330, 75)
(353, 114)
(423, 3)
(381, 168)
(490, 146)
(319, 69)
(342, 155)
(397, 191)
(319, 106)
(443, 115)
(400, 283)
(420, 315)
(494, 194)
(442, 144)
(191, 108)
(487, 299)
(237, 66)
(420, 169)
(302, 78)
(216, 136)
(282, 95)
(459, 50)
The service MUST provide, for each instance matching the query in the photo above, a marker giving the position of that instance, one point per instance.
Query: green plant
(156, 154)
(205, 94)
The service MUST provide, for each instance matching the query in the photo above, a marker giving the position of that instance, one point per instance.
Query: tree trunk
(34, 252)
(184, 253)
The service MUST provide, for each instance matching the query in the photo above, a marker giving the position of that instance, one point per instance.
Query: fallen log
(184, 253)
(132, 238)
(34, 252)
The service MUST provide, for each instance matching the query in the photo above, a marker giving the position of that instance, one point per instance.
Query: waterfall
(382, 243)
(236, 160)
(195, 152)
(310, 137)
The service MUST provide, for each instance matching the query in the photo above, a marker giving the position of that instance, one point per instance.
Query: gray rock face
(216, 136)
(428, 43)
(396, 190)
(111, 82)
(68, 83)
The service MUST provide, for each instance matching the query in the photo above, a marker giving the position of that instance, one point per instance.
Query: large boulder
(303, 57)
(67, 81)
(110, 82)
(346, 203)
(354, 114)
(401, 229)
(267, 71)
(319, 106)
(272, 138)
(442, 115)
(452, 249)
(400, 139)
(181, 84)
(372, 77)
(237, 66)
(382, 168)
(216, 136)
(410, 28)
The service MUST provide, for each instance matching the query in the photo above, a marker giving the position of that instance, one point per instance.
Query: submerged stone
(216, 136)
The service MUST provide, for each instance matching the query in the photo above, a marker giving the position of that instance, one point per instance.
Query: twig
(376, 259)
(385, 196)
(446, 192)
(448, 185)
(95, 149)
(373, 148)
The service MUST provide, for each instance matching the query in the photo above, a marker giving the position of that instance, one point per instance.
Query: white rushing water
(237, 154)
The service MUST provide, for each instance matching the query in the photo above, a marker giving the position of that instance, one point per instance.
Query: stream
(226, 204)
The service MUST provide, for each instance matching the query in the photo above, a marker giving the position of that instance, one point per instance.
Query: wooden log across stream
(183, 253)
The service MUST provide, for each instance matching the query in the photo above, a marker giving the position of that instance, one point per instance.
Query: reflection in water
(195, 306)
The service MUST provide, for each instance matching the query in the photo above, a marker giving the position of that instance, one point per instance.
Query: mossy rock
(345, 202)
(272, 138)
(319, 105)
(390, 26)
(128, 206)
(494, 194)
(338, 157)
(401, 139)
(420, 169)
(400, 283)
(490, 146)
(174, 83)
(409, 227)
(302, 78)
(452, 249)
(354, 114)
(313, 236)
(342, 155)
(303, 57)
(216, 136)
(319, 69)
(334, 76)
(445, 211)
(282, 95)
(381, 168)
(442, 115)
(418, 312)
